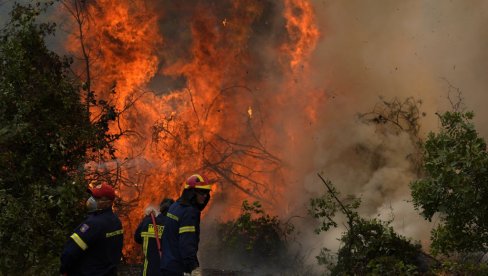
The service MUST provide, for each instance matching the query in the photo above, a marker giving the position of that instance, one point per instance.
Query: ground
(135, 270)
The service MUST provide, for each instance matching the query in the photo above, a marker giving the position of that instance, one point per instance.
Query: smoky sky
(406, 48)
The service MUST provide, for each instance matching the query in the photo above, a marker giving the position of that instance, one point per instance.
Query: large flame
(203, 86)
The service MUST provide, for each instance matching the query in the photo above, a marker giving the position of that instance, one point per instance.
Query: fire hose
(156, 234)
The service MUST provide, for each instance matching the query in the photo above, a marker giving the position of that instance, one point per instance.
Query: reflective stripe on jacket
(145, 235)
(180, 239)
(95, 247)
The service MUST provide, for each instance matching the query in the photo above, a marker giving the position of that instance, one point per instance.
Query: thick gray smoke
(424, 49)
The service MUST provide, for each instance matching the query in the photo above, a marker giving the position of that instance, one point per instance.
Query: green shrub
(254, 238)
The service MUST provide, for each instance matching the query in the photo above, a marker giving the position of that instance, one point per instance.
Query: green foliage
(324, 208)
(368, 247)
(375, 248)
(387, 265)
(462, 268)
(45, 132)
(254, 237)
(455, 185)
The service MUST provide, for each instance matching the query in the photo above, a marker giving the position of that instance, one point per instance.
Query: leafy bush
(368, 246)
(45, 132)
(454, 185)
(254, 238)
(375, 248)
(462, 268)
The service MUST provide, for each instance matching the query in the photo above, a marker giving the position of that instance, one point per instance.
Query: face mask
(91, 204)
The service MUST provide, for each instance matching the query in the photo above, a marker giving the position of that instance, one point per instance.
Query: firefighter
(95, 247)
(182, 228)
(146, 235)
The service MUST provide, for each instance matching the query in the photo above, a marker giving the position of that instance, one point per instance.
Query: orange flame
(230, 86)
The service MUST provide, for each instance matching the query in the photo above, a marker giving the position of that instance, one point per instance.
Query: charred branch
(404, 116)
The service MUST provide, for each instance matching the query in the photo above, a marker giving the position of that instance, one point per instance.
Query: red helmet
(102, 190)
(197, 181)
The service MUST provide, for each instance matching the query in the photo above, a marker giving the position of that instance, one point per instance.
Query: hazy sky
(406, 48)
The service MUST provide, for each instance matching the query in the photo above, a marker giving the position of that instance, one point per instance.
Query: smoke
(404, 49)
(426, 50)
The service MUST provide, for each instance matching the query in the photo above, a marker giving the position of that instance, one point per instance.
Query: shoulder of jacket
(108, 217)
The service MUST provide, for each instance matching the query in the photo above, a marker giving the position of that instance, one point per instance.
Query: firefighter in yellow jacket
(146, 235)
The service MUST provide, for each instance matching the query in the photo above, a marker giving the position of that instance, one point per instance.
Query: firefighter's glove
(151, 209)
(196, 272)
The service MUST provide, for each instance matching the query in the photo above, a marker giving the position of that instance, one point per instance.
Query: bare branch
(457, 104)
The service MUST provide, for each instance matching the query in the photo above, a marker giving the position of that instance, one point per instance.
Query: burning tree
(206, 83)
